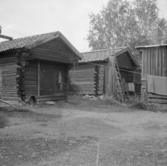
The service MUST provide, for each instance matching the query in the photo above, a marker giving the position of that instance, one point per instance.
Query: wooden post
(113, 65)
(109, 85)
(38, 78)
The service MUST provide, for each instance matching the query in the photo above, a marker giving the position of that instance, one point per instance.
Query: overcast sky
(21, 18)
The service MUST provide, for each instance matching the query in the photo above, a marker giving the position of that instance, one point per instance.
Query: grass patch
(26, 113)
(3, 120)
(95, 102)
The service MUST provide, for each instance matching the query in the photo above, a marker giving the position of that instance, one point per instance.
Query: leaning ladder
(120, 93)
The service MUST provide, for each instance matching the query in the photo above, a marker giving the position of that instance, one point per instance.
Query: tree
(122, 23)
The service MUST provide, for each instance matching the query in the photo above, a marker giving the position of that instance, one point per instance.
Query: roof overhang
(124, 50)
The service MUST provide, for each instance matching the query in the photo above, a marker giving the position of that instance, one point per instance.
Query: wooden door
(47, 78)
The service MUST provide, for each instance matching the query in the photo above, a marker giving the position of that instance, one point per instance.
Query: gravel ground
(83, 132)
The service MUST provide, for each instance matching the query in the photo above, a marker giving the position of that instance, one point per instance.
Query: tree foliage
(122, 23)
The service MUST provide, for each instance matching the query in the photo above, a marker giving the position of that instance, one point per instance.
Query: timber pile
(10, 83)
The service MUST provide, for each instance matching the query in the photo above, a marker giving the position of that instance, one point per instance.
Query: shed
(92, 75)
(154, 73)
(35, 68)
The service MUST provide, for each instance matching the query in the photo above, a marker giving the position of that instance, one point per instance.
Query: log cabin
(154, 73)
(92, 75)
(35, 68)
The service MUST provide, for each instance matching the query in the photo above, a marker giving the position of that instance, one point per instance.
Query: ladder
(120, 93)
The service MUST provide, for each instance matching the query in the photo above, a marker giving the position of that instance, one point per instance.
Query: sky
(20, 18)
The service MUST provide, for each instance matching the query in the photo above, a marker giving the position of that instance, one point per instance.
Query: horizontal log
(52, 58)
(30, 69)
(31, 78)
(52, 51)
(161, 101)
(81, 79)
(157, 96)
(83, 83)
(12, 98)
(30, 73)
(49, 96)
(9, 75)
(32, 82)
(84, 67)
(7, 60)
(10, 95)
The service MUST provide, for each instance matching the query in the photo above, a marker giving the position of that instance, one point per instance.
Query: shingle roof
(22, 42)
(30, 41)
(98, 55)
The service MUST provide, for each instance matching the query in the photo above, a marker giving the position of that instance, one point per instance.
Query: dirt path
(52, 135)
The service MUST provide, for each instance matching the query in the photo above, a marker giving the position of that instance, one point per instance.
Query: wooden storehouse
(154, 73)
(36, 68)
(92, 75)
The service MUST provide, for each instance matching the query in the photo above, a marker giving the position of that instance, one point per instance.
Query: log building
(92, 75)
(36, 68)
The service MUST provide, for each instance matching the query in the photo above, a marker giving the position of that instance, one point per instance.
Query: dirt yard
(83, 133)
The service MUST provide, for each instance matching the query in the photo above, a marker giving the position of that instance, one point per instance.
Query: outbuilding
(35, 68)
(154, 73)
(92, 75)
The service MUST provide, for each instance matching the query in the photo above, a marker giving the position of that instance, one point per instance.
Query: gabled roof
(102, 55)
(33, 41)
(97, 55)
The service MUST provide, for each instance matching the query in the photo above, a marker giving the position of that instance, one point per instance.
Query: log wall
(30, 81)
(9, 78)
(87, 80)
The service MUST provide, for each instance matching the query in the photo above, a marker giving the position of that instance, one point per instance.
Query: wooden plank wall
(154, 62)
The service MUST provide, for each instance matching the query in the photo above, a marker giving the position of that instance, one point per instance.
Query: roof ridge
(25, 37)
(100, 50)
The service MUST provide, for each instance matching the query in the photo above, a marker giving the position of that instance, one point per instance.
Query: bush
(144, 106)
(139, 105)
(3, 120)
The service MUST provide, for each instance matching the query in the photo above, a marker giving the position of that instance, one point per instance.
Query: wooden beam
(6, 37)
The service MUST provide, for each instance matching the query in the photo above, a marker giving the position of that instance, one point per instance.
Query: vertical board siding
(154, 62)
